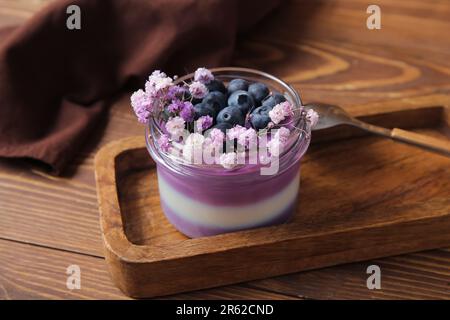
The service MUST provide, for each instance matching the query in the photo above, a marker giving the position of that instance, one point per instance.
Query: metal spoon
(331, 115)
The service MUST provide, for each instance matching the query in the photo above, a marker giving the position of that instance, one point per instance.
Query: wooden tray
(360, 198)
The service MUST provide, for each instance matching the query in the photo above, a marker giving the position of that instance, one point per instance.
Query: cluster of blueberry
(237, 103)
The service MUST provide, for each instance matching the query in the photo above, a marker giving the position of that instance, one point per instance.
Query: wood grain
(322, 46)
(31, 272)
(428, 143)
(415, 276)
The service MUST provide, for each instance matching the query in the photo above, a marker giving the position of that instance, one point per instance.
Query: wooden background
(325, 50)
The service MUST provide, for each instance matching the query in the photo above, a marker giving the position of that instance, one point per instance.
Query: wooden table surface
(325, 50)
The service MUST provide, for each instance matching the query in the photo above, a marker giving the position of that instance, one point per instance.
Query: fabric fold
(55, 82)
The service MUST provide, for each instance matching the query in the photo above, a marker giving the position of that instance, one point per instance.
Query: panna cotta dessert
(227, 144)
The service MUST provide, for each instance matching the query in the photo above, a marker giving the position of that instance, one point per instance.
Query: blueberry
(259, 91)
(216, 99)
(241, 99)
(231, 115)
(223, 126)
(260, 117)
(262, 110)
(237, 84)
(202, 109)
(216, 85)
(273, 100)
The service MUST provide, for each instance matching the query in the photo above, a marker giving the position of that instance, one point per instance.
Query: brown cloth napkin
(55, 83)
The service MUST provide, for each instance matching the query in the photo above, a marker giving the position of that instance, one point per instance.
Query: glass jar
(204, 200)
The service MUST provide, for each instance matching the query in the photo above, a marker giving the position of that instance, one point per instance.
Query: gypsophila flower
(235, 132)
(213, 146)
(176, 106)
(204, 123)
(287, 107)
(217, 136)
(141, 104)
(276, 115)
(198, 90)
(187, 111)
(156, 77)
(248, 137)
(193, 147)
(157, 74)
(282, 134)
(312, 117)
(164, 143)
(158, 85)
(175, 127)
(275, 147)
(278, 141)
(208, 144)
(175, 92)
(280, 112)
(203, 75)
(228, 160)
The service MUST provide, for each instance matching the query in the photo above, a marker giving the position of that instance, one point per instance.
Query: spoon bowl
(332, 115)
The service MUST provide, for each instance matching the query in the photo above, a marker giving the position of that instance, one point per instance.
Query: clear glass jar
(205, 200)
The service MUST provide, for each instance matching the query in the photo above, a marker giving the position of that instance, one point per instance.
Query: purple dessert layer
(230, 190)
(193, 230)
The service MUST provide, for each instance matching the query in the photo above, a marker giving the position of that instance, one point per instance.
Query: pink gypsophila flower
(198, 90)
(175, 92)
(204, 123)
(142, 105)
(248, 137)
(279, 141)
(176, 106)
(280, 112)
(235, 132)
(217, 137)
(164, 142)
(187, 111)
(214, 144)
(282, 134)
(175, 127)
(275, 147)
(203, 75)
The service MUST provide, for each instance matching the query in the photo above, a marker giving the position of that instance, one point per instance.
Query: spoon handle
(441, 146)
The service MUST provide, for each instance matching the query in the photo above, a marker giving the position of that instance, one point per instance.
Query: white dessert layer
(228, 217)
